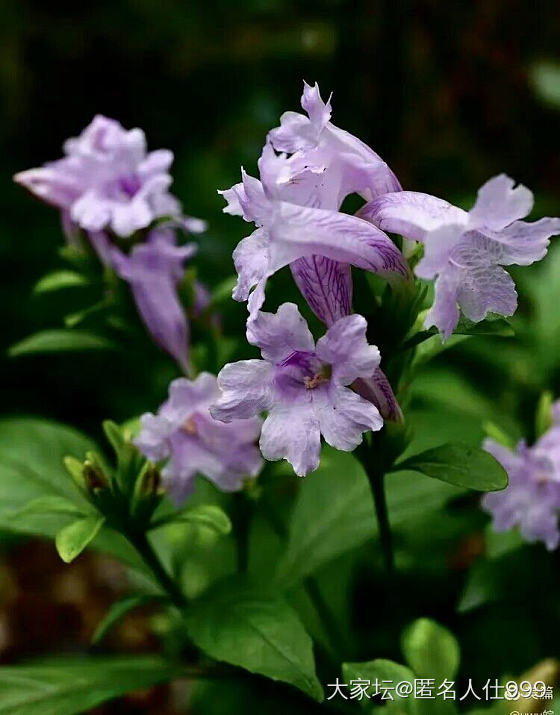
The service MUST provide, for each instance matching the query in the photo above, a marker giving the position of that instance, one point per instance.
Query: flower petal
(444, 313)
(524, 243)
(251, 258)
(292, 432)
(498, 204)
(487, 289)
(411, 213)
(326, 285)
(345, 347)
(280, 334)
(377, 389)
(343, 416)
(152, 270)
(298, 231)
(247, 199)
(246, 390)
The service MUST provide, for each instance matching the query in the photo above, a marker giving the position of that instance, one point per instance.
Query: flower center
(189, 426)
(312, 382)
(129, 185)
(319, 377)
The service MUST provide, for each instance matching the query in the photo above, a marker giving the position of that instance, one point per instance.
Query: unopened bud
(94, 476)
(151, 480)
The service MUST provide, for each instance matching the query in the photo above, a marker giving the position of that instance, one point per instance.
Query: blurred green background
(448, 93)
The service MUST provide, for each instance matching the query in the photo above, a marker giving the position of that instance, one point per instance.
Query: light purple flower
(295, 206)
(185, 434)
(465, 251)
(531, 500)
(153, 269)
(107, 180)
(318, 145)
(302, 386)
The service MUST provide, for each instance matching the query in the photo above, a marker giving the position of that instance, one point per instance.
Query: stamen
(189, 426)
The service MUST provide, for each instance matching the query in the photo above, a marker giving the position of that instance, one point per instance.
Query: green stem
(151, 559)
(377, 483)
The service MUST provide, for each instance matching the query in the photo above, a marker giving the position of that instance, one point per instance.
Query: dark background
(449, 93)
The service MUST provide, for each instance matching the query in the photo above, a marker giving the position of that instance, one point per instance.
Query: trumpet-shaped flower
(153, 269)
(304, 387)
(295, 206)
(107, 180)
(465, 251)
(185, 434)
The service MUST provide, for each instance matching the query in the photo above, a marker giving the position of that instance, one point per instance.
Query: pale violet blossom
(531, 500)
(153, 270)
(107, 180)
(465, 251)
(305, 388)
(295, 207)
(192, 442)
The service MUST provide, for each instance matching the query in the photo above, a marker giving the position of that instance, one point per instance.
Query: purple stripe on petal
(326, 285)
(298, 231)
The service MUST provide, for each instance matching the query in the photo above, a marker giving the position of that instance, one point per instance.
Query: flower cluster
(532, 499)
(307, 168)
(110, 187)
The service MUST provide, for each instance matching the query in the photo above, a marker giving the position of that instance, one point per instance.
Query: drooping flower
(185, 434)
(303, 386)
(107, 180)
(465, 251)
(295, 206)
(153, 269)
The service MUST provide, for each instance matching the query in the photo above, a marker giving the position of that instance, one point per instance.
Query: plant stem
(140, 542)
(377, 483)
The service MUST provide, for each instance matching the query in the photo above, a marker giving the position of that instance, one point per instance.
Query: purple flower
(318, 145)
(153, 269)
(303, 386)
(107, 180)
(531, 500)
(465, 251)
(295, 206)
(184, 433)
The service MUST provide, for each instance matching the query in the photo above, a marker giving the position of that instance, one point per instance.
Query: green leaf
(334, 512)
(51, 503)
(492, 325)
(118, 610)
(73, 539)
(69, 686)
(260, 633)
(206, 515)
(54, 341)
(222, 292)
(543, 415)
(461, 464)
(377, 671)
(545, 78)
(431, 650)
(32, 466)
(58, 280)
